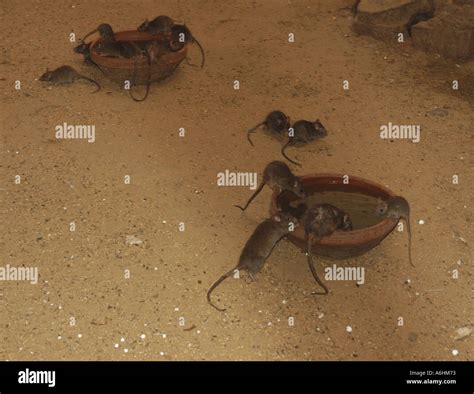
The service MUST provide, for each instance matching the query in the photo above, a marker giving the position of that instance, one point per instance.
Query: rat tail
(252, 130)
(202, 52)
(409, 242)
(147, 84)
(88, 34)
(94, 82)
(217, 283)
(251, 198)
(144, 97)
(313, 269)
(284, 154)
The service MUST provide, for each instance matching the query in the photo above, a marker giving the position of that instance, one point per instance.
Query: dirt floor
(173, 179)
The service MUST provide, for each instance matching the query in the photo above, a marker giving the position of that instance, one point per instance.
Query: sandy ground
(173, 180)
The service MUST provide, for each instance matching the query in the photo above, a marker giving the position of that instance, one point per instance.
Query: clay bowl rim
(359, 237)
(129, 64)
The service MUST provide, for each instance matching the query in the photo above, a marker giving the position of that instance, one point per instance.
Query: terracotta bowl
(343, 244)
(136, 71)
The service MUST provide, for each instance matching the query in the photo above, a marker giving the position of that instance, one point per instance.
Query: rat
(109, 46)
(321, 221)
(258, 248)
(303, 132)
(397, 208)
(180, 36)
(162, 24)
(276, 121)
(65, 74)
(279, 177)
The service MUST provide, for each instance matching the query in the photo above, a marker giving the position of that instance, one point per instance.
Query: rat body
(65, 74)
(278, 176)
(397, 208)
(162, 24)
(180, 36)
(303, 132)
(276, 121)
(321, 221)
(258, 248)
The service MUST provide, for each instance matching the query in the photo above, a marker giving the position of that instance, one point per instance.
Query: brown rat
(180, 36)
(276, 121)
(303, 132)
(65, 74)
(398, 208)
(162, 24)
(278, 176)
(258, 248)
(322, 220)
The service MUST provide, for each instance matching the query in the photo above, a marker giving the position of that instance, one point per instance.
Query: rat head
(106, 32)
(82, 48)
(47, 76)
(278, 121)
(319, 130)
(144, 26)
(285, 219)
(346, 223)
(297, 188)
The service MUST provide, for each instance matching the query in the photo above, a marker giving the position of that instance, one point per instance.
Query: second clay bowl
(342, 244)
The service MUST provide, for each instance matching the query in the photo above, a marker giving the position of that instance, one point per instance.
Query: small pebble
(164, 335)
(421, 221)
(455, 352)
(143, 336)
(116, 345)
(349, 329)
(79, 335)
(462, 332)
(125, 350)
(122, 339)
